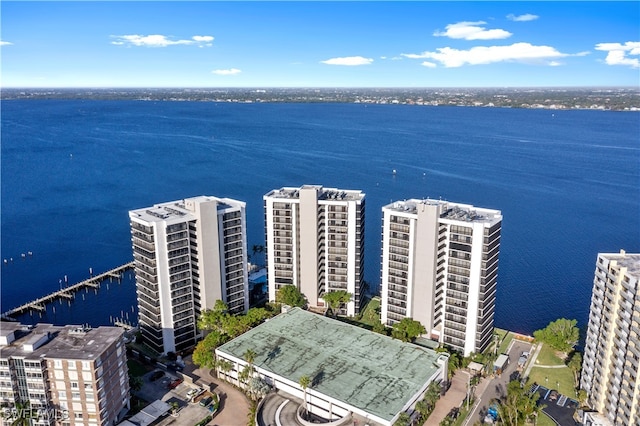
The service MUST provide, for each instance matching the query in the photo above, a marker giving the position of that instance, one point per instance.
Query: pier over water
(66, 293)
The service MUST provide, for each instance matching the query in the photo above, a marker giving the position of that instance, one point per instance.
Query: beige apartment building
(315, 241)
(188, 254)
(611, 360)
(63, 375)
(440, 267)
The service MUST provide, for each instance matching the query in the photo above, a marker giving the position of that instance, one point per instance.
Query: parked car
(156, 375)
(206, 401)
(174, 383)
(193, 393)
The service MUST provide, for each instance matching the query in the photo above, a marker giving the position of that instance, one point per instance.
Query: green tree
(518, 406)
(335, 299)
(243, 376)
(224, 366)
(290, 295)
(423, 408)
(407, 330)
(21, 414)
(432, 395)
(250, 356)
(575, 365)
(403, 419)
(582, 397)
(304, 382)
(203, 354)
(135, 383)
(561, 334)
(378, 327)
(256, 316)
(212, 319)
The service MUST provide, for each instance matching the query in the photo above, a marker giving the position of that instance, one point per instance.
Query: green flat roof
(366, 370)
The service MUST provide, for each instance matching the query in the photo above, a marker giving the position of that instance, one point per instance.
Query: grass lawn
(506, 341)
(137, 369)
(562, 376)
(370, 315)
(547, 356)
(544, 420)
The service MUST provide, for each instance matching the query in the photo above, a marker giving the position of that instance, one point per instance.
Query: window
(75, 395)
(71, 365)
(74, 385)
(57, 363)
(86, 365)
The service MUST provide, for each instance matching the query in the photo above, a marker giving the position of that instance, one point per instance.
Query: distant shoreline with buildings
(555, 98)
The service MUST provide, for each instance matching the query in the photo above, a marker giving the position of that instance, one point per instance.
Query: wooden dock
(67, 292)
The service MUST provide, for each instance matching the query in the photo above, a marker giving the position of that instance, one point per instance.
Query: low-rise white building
(351, 370)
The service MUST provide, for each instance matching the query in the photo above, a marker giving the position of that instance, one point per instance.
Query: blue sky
(320, 44)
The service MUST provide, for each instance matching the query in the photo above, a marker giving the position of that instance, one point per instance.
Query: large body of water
(567, 183)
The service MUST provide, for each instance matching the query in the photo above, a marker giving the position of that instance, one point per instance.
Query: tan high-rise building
(440, 267)
(611, 362)
(70, 375)
(315, 241)
(188, 254)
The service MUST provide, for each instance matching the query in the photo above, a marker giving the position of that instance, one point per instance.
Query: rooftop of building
(367, 370)
(323, 193)
(56, 342)
(180, 209)
(450, 210)
(631, 261)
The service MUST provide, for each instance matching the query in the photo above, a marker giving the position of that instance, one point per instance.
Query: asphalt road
(498, 386)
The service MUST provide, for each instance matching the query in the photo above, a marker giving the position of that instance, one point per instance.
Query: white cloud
(618, 53)
(230, 71)
(428, 64)
(517, 52)
(348, 61)
(522, 18)
(203, 38)
(158, 40)
(472, 31)
(5, 43)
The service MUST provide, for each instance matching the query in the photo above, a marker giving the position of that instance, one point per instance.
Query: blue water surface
(567, 183)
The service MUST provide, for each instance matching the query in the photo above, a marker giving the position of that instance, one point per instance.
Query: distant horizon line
(306, 87)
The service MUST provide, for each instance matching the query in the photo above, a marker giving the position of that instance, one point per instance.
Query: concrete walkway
(234, 405)
(453, 398)
(532, 359)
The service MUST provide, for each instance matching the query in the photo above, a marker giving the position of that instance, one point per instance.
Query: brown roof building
(63, 375)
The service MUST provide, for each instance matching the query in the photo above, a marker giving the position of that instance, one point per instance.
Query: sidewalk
(453, 398)
(234, 405)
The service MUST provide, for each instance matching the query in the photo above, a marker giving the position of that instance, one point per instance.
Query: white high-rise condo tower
(188, 254)
(440, 267)
(611, 362)
(315, 241)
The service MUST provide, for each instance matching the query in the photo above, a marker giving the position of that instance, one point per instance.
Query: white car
(192, 393)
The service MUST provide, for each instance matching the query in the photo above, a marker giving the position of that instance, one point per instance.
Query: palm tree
(575, 364)
(403, 419)
(23, 412)
(250, 356)
(432, 395)
(304, 382)
(225, 366)
(423, 408)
